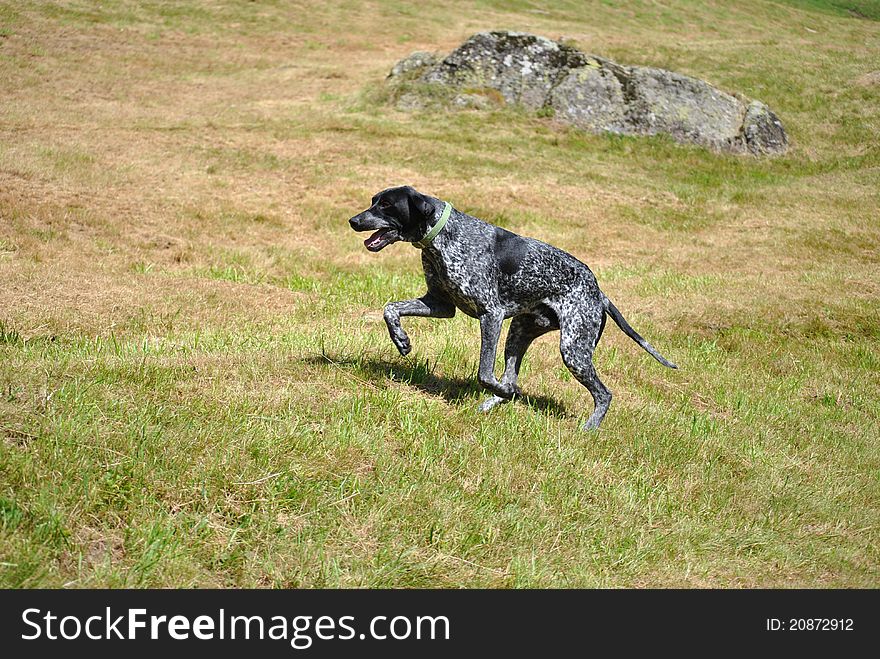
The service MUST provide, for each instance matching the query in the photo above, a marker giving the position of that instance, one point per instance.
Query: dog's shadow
(376, 372)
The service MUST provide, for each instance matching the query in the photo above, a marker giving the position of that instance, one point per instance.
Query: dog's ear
(420, 206)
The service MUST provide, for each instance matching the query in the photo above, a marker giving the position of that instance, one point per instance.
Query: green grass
(869, 9)
(196, 385)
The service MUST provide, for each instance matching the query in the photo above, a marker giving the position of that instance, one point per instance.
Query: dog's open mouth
(380, 239)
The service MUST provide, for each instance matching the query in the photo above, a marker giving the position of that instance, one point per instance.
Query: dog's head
(395, 214)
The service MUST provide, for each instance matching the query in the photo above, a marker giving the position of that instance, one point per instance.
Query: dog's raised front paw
(402, 342)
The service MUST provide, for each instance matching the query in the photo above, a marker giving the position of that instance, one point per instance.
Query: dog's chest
(467, 284)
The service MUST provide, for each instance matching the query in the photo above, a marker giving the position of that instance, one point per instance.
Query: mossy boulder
(587, 91)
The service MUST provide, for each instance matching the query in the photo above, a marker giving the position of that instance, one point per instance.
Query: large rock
(589, 92)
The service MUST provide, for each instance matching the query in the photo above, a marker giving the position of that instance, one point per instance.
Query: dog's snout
(355, 222)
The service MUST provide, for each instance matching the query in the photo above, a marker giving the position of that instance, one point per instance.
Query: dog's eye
(384, 205)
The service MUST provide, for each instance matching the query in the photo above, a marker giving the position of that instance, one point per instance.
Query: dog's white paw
(491, 402)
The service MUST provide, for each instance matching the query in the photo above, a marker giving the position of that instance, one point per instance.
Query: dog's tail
(631, 333)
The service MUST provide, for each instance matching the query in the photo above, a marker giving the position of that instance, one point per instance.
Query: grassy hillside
(196, 385)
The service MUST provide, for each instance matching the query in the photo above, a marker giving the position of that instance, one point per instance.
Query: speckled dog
(492, 274)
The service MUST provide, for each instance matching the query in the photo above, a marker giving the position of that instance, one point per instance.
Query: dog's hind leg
(524, 329)
(580, 334)
(428, 305)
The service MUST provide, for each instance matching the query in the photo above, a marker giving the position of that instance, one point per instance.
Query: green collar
(444, 217)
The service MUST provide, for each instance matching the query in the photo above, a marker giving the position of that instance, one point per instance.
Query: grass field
(196, 385)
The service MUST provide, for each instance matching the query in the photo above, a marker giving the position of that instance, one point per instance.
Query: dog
(492, 274)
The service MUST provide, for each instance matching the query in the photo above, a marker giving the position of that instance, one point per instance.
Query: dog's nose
(355, 222)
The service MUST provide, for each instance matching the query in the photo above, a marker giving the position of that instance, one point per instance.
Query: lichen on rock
(587, 91)
(413, 62)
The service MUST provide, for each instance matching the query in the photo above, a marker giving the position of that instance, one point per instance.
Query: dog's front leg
(427, 305)
(490, 332)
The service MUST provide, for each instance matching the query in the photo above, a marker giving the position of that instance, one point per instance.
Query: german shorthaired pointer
(492, 274)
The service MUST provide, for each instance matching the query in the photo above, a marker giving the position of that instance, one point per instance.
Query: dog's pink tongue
(375, 239)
